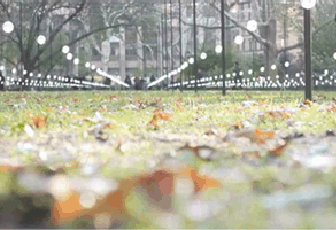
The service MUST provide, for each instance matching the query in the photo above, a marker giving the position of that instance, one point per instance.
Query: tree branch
(79, 8)
(79, 39)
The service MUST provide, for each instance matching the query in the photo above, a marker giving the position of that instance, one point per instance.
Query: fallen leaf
(109, 125)
(39, 121)
(210, 132)
(251, 155)
(200, 182)
(65, 210)
(279, 149)
(152, 123)
(238, 125)
(158, 109)
(164, 116)
(203, 152)
(256, 136)
(27, 113)
(158, 186)
(308, 102)
(113, 96)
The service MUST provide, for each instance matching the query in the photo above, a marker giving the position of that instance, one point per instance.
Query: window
(242, 7)
(96, 56)
(242, 16)
(113, 71)
(114, 49)
(130, 71)
(189, 11)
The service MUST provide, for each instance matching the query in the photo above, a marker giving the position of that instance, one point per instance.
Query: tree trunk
(270, 51)
(26, 76)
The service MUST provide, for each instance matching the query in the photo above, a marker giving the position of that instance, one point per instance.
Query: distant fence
(294, 82)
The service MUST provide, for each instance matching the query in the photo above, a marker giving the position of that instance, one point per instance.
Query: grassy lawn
(121, 159)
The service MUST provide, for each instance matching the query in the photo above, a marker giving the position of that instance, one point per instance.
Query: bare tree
(267, 21)
(33, 19)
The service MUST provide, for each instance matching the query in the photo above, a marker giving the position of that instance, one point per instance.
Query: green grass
(202, 111)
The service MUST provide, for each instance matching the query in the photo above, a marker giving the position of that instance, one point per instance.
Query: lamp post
(307, 5)
(65, 50)
(69, 57)
(41, 40)
(180, 44)
(171, 35)
(285, 35)
(223, 45)
(252, 25)
(7, 27)
(195, 66)
(238, 40)
(219, 49)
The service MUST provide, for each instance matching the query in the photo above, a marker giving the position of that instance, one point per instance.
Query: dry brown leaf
(109, 125)
(27, 113)
(164, 116)
(113, 96)
(157, 109)
(308, 102)
(257, 135)
(158, 185)
(278, 150)
(39, 121)
(210, 132)
(251, 155)
(238, 125)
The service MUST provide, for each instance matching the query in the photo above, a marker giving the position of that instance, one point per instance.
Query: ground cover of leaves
(167, 160)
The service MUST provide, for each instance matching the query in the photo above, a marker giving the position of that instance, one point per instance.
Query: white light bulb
(219, 49)
(238, 40)
(252, 25)
(308, 3)
(65, 49)
(41, 40)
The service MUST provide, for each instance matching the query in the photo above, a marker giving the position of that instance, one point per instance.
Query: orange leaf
(74, 99)
(50, 109)
(200, 181)
(27, 113)
(253, 155)
(238, 125)
(112, 96)
(66, 209)
(210, 132)
(164, 116)
(158, 185)
(308, 102)
(331, 110)
(259, 133)
(157, 109)
(257, 136)
(262, 103)
(279, 149)
(109, 125)
(39, 121)
(152, 123)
